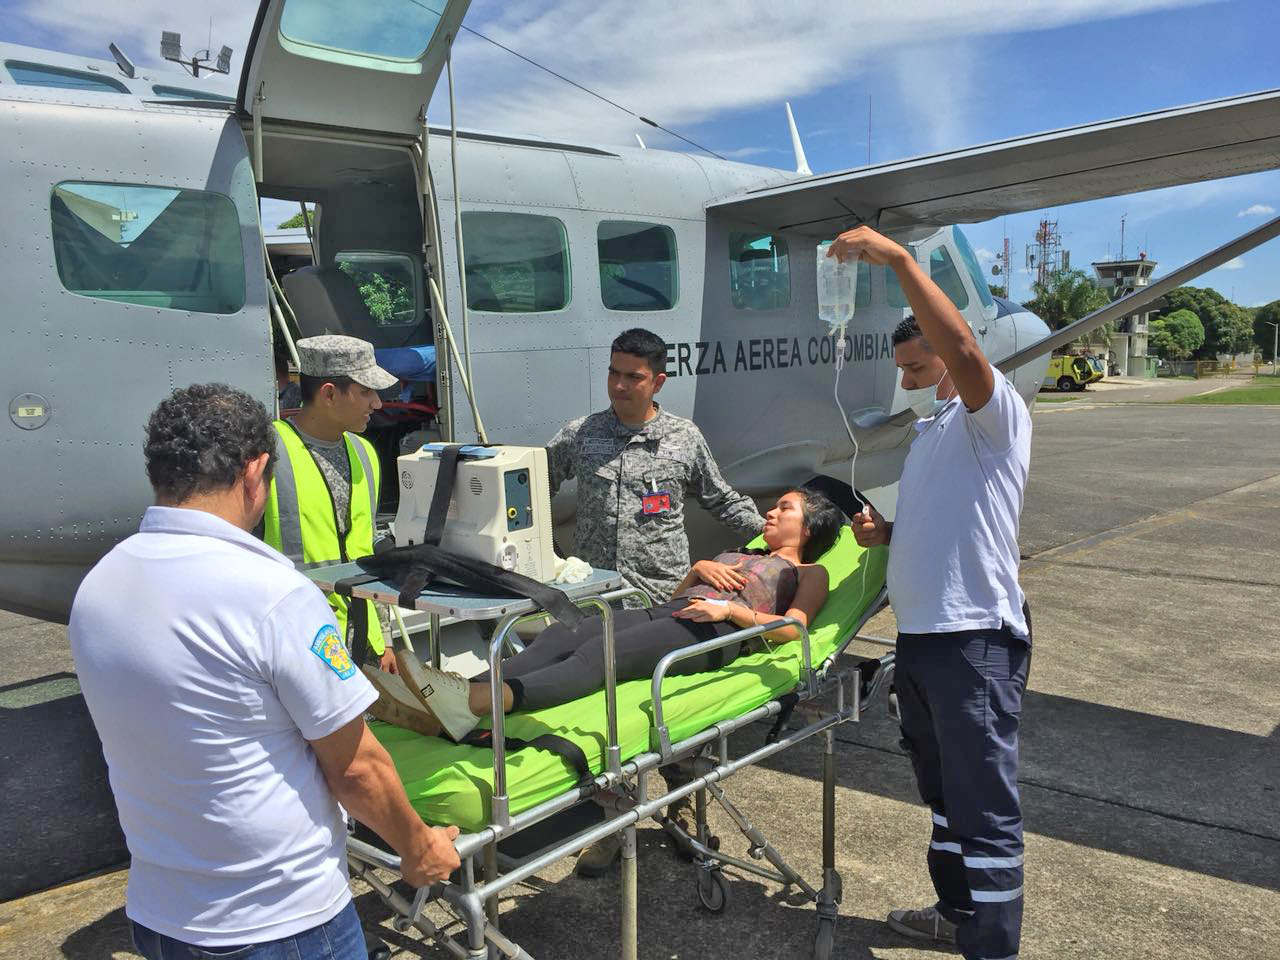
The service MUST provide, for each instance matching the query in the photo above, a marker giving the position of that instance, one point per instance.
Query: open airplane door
(367, 65)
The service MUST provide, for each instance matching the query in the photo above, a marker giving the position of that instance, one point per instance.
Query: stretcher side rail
(500, 809)
(469, 845)
(468, 897)
(660, 735)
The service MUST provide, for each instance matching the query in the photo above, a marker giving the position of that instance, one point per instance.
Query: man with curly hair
(231, 715)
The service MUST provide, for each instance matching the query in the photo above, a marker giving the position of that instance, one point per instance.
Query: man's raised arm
(940, 321)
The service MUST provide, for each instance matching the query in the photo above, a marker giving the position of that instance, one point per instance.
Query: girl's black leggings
(563, 664)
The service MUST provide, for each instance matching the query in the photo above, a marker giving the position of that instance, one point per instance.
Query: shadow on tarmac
(58, 815)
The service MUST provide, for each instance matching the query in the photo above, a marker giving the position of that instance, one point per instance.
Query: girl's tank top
(771, 582)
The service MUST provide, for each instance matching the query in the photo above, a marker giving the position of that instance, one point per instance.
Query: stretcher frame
(471, 896)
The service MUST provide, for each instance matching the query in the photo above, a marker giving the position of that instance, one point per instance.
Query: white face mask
(924, 401)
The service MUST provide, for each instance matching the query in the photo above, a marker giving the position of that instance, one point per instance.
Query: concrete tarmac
(1151, 743)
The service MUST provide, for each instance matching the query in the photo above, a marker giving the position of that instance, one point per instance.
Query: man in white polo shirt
(964, 641)
(230, 713)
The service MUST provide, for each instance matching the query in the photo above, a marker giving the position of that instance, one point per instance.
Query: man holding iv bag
(964, 641)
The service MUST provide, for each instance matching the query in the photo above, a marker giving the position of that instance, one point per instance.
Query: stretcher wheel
(824, 943)
(713, 890)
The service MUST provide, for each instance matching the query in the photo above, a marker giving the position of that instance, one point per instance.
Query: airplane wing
(1205, 141)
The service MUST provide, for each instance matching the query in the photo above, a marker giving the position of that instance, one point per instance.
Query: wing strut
(1132, 302)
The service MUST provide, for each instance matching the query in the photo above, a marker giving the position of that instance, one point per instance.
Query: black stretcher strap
(565, 749)
(413, 567)
(443, 492)
(788, 702)
(343, 587)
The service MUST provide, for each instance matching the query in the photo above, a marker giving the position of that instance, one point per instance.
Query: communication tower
(1045, 256)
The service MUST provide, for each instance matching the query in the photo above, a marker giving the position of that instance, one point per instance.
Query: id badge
(655, 502)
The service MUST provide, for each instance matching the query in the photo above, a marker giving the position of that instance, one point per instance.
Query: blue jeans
(339, 939)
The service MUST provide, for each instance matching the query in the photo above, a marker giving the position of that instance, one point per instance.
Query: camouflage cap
(337, 356)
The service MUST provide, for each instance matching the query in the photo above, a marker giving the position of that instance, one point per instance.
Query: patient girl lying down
(735, 590)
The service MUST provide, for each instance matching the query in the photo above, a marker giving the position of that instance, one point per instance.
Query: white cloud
(1235, 263)
(1257, 210)
(742, 153)
(683, 64)
(984, 255)
(677, 62)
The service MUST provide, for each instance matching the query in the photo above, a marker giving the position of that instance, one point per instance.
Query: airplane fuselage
(565, 246)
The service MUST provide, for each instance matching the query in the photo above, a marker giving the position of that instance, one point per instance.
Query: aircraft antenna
(802, 163)
(171, 49)
(641, 142)
(584, 89)
(123, 62)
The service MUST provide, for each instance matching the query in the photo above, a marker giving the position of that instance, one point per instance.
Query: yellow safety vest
(301, 520)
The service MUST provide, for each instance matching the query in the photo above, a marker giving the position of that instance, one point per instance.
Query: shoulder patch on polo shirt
(328, 647)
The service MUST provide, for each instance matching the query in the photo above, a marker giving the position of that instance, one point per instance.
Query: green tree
(1065, 297)
(998, 289)
(390, 302)
(1263, 332)
(1227, 328)
(296, 220)
(1177, 335)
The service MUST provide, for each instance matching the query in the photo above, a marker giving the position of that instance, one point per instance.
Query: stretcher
(625, 731)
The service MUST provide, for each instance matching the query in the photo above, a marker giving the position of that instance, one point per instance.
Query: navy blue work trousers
(960, 697)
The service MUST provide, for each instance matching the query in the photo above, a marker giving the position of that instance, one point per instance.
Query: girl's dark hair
(824, 520)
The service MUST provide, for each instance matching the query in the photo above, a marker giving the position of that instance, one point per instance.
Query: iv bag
(837, 285)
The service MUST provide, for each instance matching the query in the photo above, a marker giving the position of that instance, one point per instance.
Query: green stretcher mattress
(448, 783)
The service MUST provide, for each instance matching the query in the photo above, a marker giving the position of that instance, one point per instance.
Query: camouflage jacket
(615, 467)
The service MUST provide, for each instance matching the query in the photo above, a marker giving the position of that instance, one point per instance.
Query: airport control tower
(1129, 343)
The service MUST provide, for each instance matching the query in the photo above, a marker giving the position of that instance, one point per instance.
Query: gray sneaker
(599, 858)
(925, 924)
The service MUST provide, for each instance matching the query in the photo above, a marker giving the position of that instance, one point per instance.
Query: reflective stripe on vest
(299, 519)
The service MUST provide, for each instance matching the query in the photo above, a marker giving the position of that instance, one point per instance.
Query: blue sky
(940, 74)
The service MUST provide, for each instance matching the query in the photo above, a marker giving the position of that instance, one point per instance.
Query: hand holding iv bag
(837, 287)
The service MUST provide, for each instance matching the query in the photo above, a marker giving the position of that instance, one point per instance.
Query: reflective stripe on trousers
(960, 696)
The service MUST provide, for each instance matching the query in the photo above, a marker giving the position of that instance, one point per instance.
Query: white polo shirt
(207, 663)
(953, 557)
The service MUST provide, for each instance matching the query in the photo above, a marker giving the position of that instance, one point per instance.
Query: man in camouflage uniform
(634, 463)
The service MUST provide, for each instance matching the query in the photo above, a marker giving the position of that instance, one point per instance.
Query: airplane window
(156, 246)
(862, 293)
(637, 265)
(970, 260)
(387, 29)
(387, 283)
(893, 290)
(515, 262)
(759, 272)
(42, 75)
(942, 270)
(182, 93)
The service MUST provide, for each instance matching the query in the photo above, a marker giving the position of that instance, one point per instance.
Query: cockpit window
(971, 264)
(759, 272)
(515, 262)
(155, 246)
(637, 265)
(42, 75)
(389, 30)
(942, 270)
(182, 93)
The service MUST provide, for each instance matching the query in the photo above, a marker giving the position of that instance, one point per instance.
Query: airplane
(137, 210)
